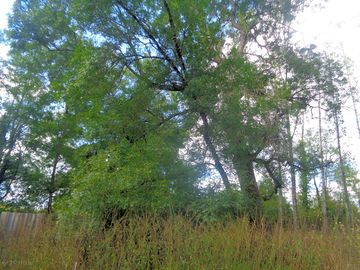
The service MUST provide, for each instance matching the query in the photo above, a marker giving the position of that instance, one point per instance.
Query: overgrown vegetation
(177, 109)
(152, 242)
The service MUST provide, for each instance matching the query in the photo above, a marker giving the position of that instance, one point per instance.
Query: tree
(333, 82)
(322, 169)
(304, 176)
(124, 71)
(12, 130)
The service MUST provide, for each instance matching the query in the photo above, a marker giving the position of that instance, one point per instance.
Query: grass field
(177, 243)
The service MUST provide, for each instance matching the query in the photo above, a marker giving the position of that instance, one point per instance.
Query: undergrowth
(177, 243)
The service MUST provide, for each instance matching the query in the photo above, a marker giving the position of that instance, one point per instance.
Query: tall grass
(177, 243)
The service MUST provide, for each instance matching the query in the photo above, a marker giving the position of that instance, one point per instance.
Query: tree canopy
(116, 106)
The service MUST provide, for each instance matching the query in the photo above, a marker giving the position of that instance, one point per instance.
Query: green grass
(176, 243)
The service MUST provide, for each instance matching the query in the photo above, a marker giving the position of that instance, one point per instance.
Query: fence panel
(16, 224)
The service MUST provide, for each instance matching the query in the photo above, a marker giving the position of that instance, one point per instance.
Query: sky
(334, 27)
(338, 23)
(5, 8)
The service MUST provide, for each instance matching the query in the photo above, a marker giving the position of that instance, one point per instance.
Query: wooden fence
(16, 224)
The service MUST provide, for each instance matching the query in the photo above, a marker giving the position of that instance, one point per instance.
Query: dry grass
(176, 243)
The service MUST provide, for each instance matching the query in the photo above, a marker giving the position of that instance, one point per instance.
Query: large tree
(125, 70)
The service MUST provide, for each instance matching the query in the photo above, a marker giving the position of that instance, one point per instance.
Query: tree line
(184, 106)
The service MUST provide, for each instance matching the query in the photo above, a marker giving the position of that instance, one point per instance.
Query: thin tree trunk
(281, 211)
(355, 111)
(52, 184)
(304, 172)
(292, 174)
(8, 188)
(50, 202)
(323, 178)
(214, 154)
(342, 172)
(5, 157)
(317, 192)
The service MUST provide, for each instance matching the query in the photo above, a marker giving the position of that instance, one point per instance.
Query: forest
(176, 134)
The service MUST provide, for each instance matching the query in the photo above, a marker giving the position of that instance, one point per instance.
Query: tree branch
(175, 39)
(151, 37)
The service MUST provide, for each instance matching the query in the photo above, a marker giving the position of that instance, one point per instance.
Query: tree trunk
(342, 172)
(245, 170)
(355, 111)
(7, 151)
(50, 202)
(52, 184)
(317, 192)
(292, 174)
(281, 209)
(214, 154)
(323, 178)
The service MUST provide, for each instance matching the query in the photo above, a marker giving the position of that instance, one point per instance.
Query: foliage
(104, 97)
(136, 177)
(219, 206)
